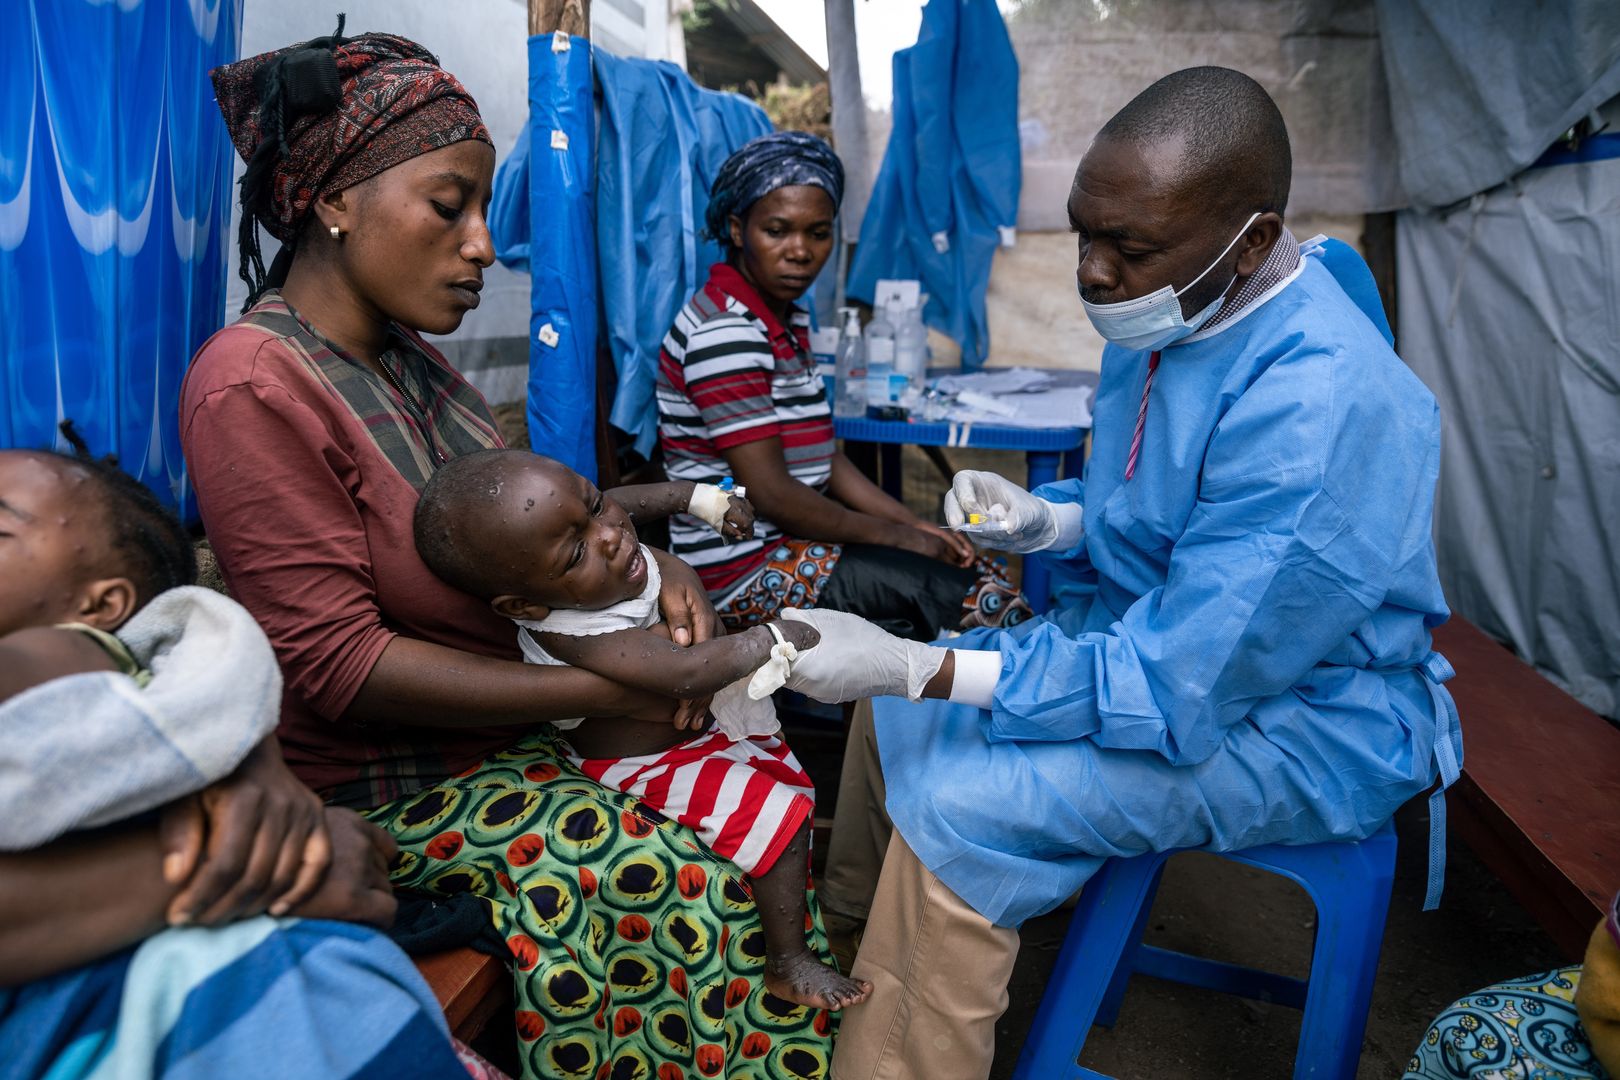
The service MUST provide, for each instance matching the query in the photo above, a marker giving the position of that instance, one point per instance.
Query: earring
(337, 233)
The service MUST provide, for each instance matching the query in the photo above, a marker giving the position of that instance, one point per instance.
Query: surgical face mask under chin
(1154, 321)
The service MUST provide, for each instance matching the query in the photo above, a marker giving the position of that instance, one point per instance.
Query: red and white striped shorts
(746, 798)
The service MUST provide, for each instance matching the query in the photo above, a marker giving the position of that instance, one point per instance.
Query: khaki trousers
(939, 973)
(861, 826)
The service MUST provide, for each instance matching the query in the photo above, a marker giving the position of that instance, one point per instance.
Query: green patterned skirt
(637, 952)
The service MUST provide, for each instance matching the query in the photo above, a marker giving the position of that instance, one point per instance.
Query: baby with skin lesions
(561, 559)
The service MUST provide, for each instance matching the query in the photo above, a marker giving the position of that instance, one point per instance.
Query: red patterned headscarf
(323, 116)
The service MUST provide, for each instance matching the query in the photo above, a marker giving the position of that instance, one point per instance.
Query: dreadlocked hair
(298, 83)
(146, 536)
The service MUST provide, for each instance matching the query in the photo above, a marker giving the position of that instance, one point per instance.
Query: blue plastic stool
(1348, 882)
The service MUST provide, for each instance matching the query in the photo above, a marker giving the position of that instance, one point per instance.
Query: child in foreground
(168, 685)
(558, 557)
(127, 696)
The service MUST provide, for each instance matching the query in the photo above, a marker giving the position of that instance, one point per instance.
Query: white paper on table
(997, 382)
(1063, 406)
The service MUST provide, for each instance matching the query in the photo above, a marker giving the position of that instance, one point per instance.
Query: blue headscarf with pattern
(760, 166)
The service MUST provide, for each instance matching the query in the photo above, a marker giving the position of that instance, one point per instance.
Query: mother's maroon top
(307, 467)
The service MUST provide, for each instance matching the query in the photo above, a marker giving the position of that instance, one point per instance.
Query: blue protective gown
(660, 140)
(1242, 652)
(952, 167)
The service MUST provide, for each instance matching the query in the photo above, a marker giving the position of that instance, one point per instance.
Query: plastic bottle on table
(850, 399)
(911, 349)
(879, 360)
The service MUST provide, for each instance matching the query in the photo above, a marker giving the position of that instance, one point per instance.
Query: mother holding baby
(310, 426)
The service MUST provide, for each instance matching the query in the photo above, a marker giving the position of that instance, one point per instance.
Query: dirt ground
(1213, 907)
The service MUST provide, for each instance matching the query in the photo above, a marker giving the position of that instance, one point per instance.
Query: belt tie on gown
(1436, 670)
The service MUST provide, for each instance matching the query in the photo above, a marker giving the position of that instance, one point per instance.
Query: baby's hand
(800, 635)
(723, 509)
(738, 523)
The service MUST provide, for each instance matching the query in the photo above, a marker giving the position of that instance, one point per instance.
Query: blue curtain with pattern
(115, 188)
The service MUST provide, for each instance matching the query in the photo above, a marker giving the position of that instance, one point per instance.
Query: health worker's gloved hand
(858, 660)
(1014, 520)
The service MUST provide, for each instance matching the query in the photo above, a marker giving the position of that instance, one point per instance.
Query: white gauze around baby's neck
(636, 613)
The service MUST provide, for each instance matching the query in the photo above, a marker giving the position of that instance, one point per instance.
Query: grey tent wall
(1509, 311)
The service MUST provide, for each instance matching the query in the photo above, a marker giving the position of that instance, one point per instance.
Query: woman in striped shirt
(738, 396)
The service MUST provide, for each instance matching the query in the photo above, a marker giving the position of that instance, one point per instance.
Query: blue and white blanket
(87, 750)
(257, 999)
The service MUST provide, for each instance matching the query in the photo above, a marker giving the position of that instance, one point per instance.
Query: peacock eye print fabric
(636, 951)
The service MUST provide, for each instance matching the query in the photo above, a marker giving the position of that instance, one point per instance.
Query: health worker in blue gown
(1241, 654)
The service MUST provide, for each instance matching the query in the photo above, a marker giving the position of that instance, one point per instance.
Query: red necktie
(1141, 418)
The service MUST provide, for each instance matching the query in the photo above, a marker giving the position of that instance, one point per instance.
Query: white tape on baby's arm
(710, 503)
(774, 674)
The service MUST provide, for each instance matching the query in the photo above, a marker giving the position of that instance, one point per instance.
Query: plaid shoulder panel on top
(432, 415)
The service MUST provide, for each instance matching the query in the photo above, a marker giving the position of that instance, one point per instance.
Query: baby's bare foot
(804, 980)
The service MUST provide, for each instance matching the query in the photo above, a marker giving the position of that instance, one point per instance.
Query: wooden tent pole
(573, 17)
(848, 113)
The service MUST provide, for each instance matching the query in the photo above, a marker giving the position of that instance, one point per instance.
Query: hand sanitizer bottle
(850, 399)
(911, 350)
(879, 360)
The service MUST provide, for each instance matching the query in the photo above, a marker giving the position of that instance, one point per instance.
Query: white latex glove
(1015, 520)
(858, 660)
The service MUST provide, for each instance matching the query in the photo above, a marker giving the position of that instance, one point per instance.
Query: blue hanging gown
(1241, 653)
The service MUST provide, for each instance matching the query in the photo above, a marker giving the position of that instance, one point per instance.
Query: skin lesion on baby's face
(47, 539)
(582, 551)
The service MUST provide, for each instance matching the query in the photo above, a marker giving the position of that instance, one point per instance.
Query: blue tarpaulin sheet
(115, 188)
(562, 255)
(661, 141)
(952, 170)
(509, 206)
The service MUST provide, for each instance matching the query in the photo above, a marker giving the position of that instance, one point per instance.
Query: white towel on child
(88, 750)
(736, 713)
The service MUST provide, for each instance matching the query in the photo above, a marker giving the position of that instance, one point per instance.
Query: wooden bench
(473, 988)
(1539, 797)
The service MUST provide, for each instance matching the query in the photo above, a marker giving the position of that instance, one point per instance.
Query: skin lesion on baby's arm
(648, 660)
(652, 502)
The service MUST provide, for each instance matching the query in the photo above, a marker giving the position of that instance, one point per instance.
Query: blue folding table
(1046, 450)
